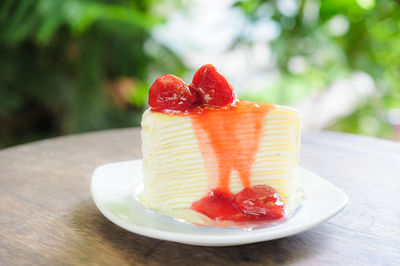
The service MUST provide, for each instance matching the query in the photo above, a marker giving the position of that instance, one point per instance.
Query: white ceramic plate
(113, 187)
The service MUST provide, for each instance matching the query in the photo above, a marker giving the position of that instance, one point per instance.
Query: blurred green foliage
(369, 42)
(72, 66)
(82, 65)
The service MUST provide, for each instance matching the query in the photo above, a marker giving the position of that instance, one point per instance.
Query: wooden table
(47, 215)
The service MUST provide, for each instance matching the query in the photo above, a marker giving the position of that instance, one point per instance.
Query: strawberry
(212, 87)
(169, 92)
(262, 201)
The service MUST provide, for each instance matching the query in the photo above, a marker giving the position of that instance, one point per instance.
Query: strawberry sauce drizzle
(229, 139)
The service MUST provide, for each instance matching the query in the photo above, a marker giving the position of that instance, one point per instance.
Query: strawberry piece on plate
(262, 201)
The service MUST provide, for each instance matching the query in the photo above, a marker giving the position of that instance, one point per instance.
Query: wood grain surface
(47, 216)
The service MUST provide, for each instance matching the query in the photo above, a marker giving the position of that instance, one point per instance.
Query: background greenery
(371, 44)
(75, 66)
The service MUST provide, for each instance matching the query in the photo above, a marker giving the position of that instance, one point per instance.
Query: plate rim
(203, 240)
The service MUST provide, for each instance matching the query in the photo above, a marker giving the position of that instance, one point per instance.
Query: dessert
(206, 150)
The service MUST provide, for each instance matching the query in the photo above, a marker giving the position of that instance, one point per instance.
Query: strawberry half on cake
(206, 150)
